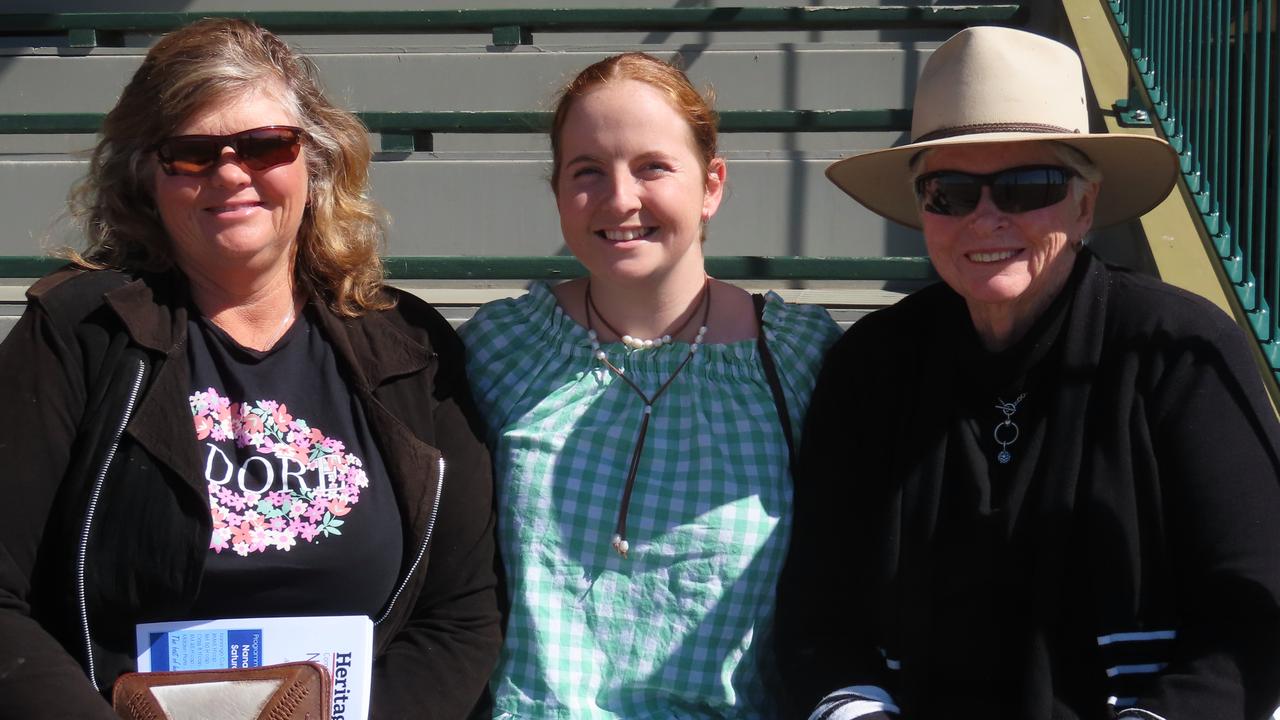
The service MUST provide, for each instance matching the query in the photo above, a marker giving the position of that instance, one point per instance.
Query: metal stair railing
(1205, 73)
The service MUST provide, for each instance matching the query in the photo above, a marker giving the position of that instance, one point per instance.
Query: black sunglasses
(1015, 190)
(257, 149)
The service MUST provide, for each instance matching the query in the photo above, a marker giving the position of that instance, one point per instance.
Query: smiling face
(1008, 266)
(235, 219)
(631, 189)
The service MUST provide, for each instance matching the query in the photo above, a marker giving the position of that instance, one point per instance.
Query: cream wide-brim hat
(992, 85)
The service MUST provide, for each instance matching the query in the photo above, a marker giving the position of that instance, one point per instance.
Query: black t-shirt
(304, 517)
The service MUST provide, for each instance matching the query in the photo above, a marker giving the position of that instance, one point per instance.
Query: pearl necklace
(619, 540)
(631, 341)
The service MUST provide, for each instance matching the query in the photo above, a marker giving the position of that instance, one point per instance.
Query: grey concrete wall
(486, 194)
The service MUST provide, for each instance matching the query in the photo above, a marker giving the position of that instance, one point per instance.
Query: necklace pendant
(622, 546)
(1004, 457)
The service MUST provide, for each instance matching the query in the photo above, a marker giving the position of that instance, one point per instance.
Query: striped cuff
(858, 701)
(1133, 660)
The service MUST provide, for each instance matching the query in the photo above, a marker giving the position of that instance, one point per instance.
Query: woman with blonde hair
(220, 410)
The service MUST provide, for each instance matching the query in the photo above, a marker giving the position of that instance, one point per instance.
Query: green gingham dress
(678, 629)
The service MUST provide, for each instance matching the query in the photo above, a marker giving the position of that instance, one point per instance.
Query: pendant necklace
(619, 540)
(1006, 432)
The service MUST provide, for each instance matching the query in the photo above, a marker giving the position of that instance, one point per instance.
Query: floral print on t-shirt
(255, 506)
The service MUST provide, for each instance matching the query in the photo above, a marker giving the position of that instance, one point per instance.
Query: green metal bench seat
(726, 267)
(412, 131)
(515, 26)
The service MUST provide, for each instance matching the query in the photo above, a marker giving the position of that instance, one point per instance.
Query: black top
(130, 545)
(1092, 565)
(304, 519)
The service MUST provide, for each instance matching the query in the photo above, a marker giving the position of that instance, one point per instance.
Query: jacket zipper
(422, 547)
(88, 520)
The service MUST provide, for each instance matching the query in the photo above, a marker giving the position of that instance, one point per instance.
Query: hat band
(980, 128)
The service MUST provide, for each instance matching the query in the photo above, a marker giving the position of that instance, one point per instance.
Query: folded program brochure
(343, 644)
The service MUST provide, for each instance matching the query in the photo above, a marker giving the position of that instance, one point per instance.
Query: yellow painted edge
(1180, 245)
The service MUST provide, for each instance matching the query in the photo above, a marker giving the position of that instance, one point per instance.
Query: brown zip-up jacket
(107, 520)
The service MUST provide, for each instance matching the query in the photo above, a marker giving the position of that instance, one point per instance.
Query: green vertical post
(1181, 74)
(1142, 23)
(1273, 155)
(1222, 91)
(1236, 135)
(1182, 88)
(1249, 114)
(1213, 166)
(1197, 127)
(1167, 65)
(1267, 252)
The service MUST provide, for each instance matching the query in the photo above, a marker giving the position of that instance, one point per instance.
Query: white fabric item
(229, 700)
(1139, 713)
(869, 699)
(851, 710)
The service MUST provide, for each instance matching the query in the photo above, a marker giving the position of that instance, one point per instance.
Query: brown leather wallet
(288, 691)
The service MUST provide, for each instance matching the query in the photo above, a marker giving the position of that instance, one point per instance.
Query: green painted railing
(556, 267)
(409, 131)
(515, 26)
(1209, 70)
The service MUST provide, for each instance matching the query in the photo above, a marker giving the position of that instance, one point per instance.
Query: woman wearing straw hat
(1046, 487)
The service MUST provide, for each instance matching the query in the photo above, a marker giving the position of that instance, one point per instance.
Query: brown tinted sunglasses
(257, 149)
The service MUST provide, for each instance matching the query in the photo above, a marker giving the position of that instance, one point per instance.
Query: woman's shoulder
(900, 326)
(72, 282)
(804, 331)
(416, 318)
(72, 293)
(1142, 306)
(518, 336)
(412, 309)
(515, 346)
(514, 320)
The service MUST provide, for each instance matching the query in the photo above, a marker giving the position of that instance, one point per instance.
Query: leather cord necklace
(619, 540)
(634, 343)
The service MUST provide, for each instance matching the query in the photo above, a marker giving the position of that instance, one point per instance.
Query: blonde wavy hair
(188, 71)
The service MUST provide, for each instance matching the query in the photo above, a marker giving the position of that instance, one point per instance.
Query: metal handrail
(1208, 69)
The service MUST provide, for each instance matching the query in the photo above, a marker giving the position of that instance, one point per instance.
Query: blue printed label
(245, 648)
(206, 649)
